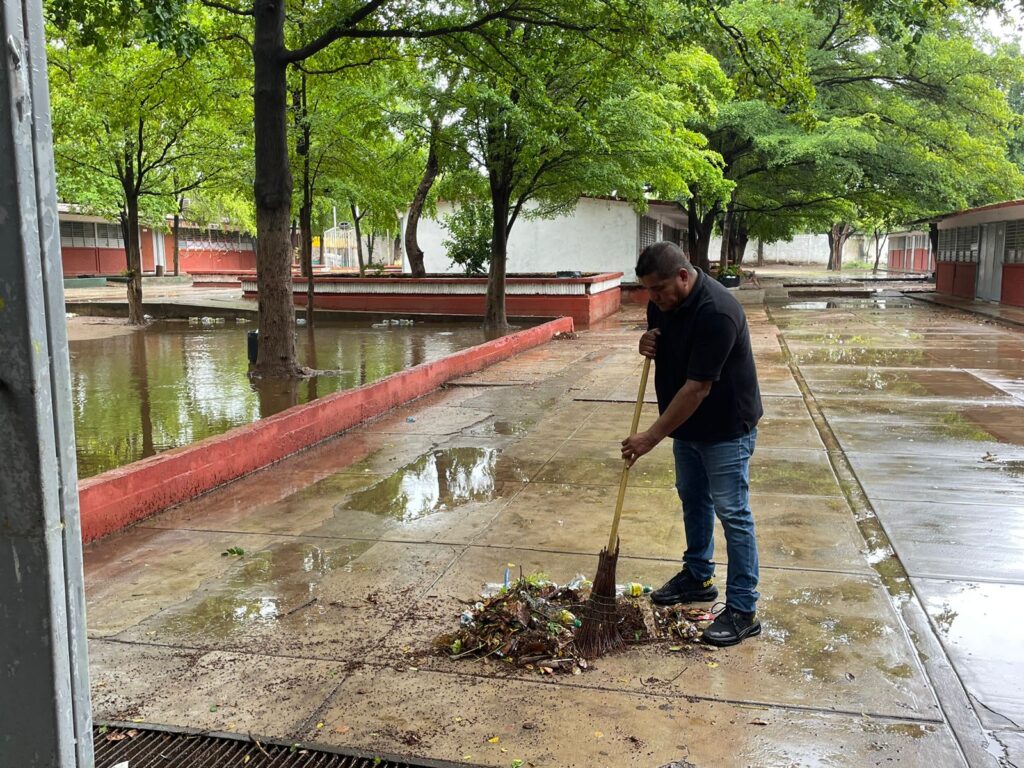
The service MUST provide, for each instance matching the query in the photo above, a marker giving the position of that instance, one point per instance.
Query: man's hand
(649, 343)
(636, 446)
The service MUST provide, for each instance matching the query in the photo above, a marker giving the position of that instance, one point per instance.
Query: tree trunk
(760, 252)
(878, 250)
(723, 252)
(412, 247)
(133, 252)
(495, 318)
(369, 247)
(141, 369)
(177, 239)
(740, 238)
(273, 194)
(837, 237)
(356, 216)
(698, 235)
(306, 228)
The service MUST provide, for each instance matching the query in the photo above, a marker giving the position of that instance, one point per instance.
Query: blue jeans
(714, 478)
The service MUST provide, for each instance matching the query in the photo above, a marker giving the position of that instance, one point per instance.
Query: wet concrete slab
(831, 640)
(983, 633)
(360, 552)
(938, 453)
(911, 477)
(493, 722)
(890, 382)
(957, 541)
(793, 531)
(235, 693)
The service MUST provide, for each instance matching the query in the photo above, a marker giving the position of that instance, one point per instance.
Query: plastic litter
(632, 589)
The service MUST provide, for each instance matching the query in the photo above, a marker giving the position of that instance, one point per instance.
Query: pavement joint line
(472, 544)
(968, 580)
(959, 715)
(692, 698)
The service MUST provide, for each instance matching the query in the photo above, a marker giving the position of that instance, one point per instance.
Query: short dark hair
(664, 259)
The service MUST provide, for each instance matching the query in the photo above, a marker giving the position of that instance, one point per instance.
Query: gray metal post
(44, 682)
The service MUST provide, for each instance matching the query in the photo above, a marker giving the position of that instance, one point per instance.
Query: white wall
(802, 249)
(600, 236)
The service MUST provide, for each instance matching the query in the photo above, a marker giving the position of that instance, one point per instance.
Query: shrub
(469, 244)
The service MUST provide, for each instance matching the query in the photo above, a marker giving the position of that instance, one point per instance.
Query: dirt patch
(86, 328)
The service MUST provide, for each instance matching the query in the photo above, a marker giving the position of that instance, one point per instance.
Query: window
(109, 236)
(946, 244)
(78, 234)
(648, 231)
(1014, 248)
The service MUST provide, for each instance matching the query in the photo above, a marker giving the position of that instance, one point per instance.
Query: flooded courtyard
(173, 383)
(301, 603)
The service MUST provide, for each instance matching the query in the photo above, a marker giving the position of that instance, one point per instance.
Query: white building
(601, 235)
(606, 235)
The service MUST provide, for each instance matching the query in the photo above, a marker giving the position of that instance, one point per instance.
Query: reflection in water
(265, 588)
(172, 383)
(435, 482)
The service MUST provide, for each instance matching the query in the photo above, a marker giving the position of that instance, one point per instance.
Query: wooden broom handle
(625, 463)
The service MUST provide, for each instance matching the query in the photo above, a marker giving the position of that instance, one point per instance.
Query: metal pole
(44, 683)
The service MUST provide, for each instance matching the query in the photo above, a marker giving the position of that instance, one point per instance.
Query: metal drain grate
(164, 748)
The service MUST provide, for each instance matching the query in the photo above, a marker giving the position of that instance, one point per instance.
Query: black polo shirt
(706, 338)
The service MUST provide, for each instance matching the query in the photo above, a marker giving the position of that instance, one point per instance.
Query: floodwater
(174, 383)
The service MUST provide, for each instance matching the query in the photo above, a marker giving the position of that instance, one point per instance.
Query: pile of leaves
(531, 623)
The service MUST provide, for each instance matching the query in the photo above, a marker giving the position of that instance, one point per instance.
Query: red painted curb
(116, 499)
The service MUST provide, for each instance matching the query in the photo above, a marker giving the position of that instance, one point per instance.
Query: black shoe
(684, 588)
(731, 627)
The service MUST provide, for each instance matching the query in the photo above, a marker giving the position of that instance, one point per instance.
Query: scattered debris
(531, 623)
(565, 336)
(233, 552)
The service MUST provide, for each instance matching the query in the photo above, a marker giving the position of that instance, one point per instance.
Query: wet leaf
(712, 664)
(341, 729)
(233, 552)
(516, 764)
(598, 735)
(494, 740)
(758, 722)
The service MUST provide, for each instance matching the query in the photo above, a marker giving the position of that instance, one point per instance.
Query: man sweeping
(710, 404)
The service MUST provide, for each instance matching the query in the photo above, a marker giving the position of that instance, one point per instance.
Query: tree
(844, 113)
(543, 123)
(136, 127)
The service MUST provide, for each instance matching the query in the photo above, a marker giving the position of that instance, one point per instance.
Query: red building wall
(964, 280)
(78, 261)
(1013, 285)
(944, 277)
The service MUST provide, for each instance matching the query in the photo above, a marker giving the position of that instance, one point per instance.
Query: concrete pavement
(889, 425)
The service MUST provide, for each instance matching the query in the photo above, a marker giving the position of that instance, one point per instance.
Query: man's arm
(678, 411)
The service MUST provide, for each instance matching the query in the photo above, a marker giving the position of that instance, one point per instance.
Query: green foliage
(136, 121)
(469, 243)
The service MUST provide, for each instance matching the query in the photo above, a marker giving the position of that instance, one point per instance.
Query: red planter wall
(582, 309)
(122, 496)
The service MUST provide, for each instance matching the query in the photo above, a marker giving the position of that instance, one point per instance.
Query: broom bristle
(599, 628)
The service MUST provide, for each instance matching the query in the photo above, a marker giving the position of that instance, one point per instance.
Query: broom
(599, 628)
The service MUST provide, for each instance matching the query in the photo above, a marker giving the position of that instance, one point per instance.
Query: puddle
(436, 482)
(172, 383)
(263, 588)
(883, 559)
